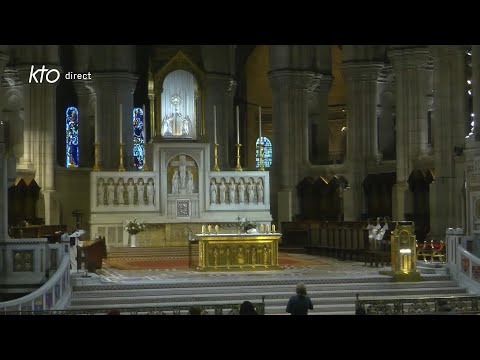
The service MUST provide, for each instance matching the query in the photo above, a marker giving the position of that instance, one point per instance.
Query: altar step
(150, 252)
(329, 296)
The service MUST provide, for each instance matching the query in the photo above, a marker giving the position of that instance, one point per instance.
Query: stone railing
(208, 309)
(54, 294)
(463, 265)
(418, 306)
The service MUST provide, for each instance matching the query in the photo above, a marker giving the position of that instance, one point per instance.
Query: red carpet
(182, 263)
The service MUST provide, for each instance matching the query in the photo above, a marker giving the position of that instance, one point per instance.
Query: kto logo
(51, 78)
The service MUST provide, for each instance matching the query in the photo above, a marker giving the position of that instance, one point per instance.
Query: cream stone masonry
(177, 191)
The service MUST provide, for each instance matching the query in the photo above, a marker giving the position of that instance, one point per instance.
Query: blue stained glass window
(267, 152)
(138, 139)
(71, 133)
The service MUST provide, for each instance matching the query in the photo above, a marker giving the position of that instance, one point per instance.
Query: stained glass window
(138, 139)
(267, 152)
(71, 132)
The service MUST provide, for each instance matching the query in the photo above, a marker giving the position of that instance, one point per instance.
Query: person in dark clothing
(247, 308)
(300, 303)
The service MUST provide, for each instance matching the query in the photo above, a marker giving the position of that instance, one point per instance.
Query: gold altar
(249, 252)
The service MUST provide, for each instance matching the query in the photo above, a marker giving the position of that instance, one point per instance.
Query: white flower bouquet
(133, 227)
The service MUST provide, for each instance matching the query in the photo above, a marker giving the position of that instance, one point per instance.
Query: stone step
(317, 297)
(266, 289)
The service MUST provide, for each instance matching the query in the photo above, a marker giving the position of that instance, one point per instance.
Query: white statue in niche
(175, 179)
(213, 192)
(131, 192)
(189, 182)
(231, 191)
(250, 192)
(179, 105)
(241, 192)
(140, 192)
(120, 192)
(259, 191)
(110, 192)
(150, 192)
(100, 192)
(223, 190)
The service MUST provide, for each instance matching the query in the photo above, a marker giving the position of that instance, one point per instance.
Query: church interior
(155, 151)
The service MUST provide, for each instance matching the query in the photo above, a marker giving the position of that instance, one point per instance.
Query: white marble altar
(178, 191)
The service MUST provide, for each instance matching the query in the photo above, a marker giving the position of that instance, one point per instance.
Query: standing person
(247, 308)
(223, 190)
(300, 303)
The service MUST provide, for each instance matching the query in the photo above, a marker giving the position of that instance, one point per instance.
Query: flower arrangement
(246, 224)
(133, 227)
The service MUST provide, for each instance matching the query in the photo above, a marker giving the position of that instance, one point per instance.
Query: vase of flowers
(133, 228)
(247, 226)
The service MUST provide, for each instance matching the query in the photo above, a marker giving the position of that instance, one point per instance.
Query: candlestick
(239, 167)
(262, 229)
(215, 123)
(120, 166)
(238, 125)
(216, 229)
(97, 140)
(121, 140)
(203, 229)
(96, 166)
(273, 228)
(215, 165)
(267, 228)
(209, 229)
(260, 123)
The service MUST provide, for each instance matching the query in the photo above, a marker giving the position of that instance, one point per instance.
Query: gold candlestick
(121, 167)
(215, 166)
(96, 166)
(239, 167)
(261, 167)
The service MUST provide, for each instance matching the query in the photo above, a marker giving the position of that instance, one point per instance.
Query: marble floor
(330, 268)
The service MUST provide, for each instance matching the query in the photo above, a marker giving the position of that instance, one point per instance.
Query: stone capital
(114, 81)
(82, 88)
(409, 58)
(363, 71)
(320, 83)
(222, 83)
(294, 79)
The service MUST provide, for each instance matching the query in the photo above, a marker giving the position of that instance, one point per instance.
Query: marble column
(219, 92)
(113, 89)
(386, 126)
(409, 66)
(446, 193)
(318, 118)
(476, 89)
(86, 137)
(289, 144)
(361, 85)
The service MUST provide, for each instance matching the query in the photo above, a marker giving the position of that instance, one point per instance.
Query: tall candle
(215, 122)
(121, 124)
(260, 123)
(238, 125)
(96, 123)
(273, 228)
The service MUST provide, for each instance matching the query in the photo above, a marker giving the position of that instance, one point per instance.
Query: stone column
(113, 89)
(290, 152)
(361, 84)
(219, 92)
(476, 89)
(411, 120)
(446, 193)
(85, 135)
(386, 126)
(318, 118)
